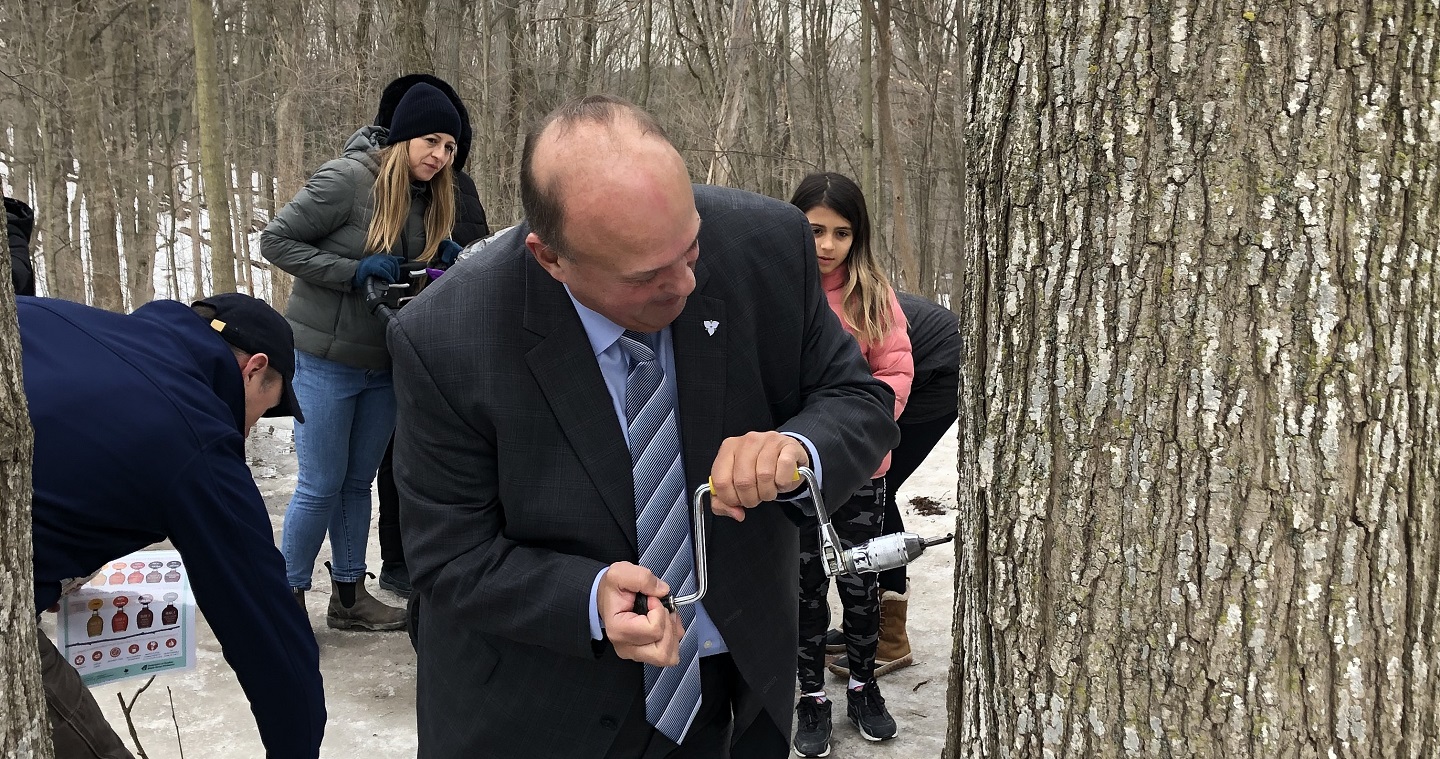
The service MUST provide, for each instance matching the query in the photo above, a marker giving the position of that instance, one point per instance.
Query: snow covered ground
(370, 677)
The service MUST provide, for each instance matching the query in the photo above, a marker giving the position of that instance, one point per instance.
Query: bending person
(140, 424)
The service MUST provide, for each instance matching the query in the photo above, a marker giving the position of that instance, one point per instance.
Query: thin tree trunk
(647, 51)
(900, 243)
(96, 185)
(588, 26)
(410, 25)
(290, 43)
(24, 726)
(449, 17)
(64, 275)
(868, 179)
(1201, 403)
(200, 282)
(213, 166)
(732, 104)
(173, 235)
(139, 197)
(244, 222)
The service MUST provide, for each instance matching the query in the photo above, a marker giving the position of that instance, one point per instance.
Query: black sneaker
(395, 577)
(834, 642)
(812, 727)
(866, 708)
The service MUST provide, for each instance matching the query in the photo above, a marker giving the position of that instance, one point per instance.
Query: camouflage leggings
(860, 519)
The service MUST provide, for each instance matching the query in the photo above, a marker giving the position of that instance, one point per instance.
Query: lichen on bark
(1200, 441)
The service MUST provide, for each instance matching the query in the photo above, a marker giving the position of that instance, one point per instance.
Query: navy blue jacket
(139, 437)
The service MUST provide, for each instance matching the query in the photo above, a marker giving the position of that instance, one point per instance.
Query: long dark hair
(867, 290)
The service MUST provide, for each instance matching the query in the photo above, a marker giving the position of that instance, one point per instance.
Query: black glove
(384, 267)
(447, 252)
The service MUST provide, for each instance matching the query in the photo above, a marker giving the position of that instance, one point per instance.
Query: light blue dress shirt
(604, 338)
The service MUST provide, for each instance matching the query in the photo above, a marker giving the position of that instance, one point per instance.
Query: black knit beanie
(424, 110)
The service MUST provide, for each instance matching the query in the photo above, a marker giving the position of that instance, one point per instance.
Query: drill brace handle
(835, 560)
(829, 541)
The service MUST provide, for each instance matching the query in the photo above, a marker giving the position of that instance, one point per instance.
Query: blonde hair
(867, 294)
(867, 299)
(392, 203)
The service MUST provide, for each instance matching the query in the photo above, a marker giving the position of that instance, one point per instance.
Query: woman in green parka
(388, 199)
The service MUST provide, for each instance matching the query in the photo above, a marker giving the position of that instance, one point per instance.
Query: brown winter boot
(353, 608)
(894, 649)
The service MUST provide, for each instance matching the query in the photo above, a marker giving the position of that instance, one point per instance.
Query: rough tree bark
(1202, 439)
(24, 726)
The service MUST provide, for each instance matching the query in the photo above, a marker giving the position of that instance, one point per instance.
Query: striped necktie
(662, 525)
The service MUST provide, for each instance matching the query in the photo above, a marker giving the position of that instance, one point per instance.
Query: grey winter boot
(353, 608)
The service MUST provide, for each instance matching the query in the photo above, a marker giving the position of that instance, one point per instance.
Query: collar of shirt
(602, 332)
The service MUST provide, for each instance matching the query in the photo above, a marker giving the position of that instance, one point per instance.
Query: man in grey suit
(561, 392)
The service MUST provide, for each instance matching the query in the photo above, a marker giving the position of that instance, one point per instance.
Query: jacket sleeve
(219, 525)
(322, 206)
(891, 360)
(20, 223)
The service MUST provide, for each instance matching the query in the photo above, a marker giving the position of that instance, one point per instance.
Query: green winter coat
(319, 238)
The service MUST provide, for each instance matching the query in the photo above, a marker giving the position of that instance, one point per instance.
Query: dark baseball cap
(251, 325)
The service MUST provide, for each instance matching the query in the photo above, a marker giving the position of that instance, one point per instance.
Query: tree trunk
(449, 18)
(290, 40)
(732, 104)
(213, 166)
(1201, 447)
(410, 26)
(138, 222)
(868, 180)
(24, 725)
(64, 273)
(199, 276)
(647, 51)
(96, 184)
(900, 243)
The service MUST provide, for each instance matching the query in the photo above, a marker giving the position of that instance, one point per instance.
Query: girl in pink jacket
(862, 298)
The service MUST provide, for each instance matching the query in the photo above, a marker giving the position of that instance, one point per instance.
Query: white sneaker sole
(870, 737)
(826, 752)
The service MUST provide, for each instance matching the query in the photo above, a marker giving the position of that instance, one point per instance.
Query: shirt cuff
(803, 491)
(597, 631)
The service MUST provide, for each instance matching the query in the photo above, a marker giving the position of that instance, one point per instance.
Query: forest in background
(120, 115)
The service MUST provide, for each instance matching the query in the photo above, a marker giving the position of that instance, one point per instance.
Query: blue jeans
(349, 416)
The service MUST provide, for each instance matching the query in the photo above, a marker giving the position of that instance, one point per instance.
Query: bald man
(561, 393)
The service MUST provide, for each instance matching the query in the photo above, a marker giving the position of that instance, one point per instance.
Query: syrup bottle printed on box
(121, 621)
(94, 625)
(144, 618)
(153, 576)
(170, 615)
(174, 574)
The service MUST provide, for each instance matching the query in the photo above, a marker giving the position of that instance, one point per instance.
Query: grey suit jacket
(515, 482)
